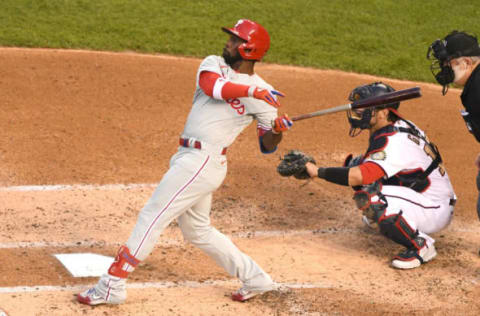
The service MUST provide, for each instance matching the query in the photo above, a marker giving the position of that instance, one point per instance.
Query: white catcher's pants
(185, 192)
(420, 212)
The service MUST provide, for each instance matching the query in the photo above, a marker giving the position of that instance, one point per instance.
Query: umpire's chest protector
(471, 101)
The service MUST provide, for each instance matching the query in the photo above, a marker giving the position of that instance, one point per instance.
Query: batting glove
(267, 95)
(281, 124)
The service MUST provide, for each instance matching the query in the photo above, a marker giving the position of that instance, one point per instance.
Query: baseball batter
(228, 97)
(400, 182)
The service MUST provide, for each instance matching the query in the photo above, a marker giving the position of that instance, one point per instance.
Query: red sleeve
(233, 90)
(230, 90)
(207, 81)
(371, 172)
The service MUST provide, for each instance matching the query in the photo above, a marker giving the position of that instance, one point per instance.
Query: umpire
(456, 59)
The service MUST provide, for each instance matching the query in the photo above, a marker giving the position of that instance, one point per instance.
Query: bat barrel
(392, 97)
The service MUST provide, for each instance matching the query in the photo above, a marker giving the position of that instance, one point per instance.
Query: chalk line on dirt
(156, 285)
(170, 242)
(174, 242)
(72, 187)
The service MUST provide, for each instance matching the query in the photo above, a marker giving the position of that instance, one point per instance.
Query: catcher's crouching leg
(396, 228)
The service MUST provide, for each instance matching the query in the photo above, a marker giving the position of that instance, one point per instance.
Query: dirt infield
(86, 135)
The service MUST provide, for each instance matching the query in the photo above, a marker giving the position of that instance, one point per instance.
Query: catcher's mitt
(293, 164)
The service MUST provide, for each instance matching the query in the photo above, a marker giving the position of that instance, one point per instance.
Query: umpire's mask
(441, 52)
(359, 119)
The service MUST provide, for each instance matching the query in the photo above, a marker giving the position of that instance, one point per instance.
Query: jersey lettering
(414, 139)
(236, 105)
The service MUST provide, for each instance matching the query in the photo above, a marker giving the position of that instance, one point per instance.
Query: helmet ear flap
(248, 51)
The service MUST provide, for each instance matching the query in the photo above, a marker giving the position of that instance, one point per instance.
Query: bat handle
(339, 108)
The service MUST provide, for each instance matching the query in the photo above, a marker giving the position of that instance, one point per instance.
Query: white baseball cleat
(413, 257)
(109, 290)
(243, 294)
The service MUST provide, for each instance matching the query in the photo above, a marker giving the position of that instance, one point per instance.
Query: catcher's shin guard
(396, 228)
(123, 264)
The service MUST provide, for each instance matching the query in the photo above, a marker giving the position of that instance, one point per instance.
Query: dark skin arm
(271, 140)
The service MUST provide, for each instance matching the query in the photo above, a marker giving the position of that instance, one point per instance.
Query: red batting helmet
(256, 37)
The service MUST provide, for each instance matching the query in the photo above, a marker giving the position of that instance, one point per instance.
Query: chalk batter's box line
(179, 241)
(157, 285)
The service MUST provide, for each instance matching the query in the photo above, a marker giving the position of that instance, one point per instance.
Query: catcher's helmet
(257, 40)
(361, 119)
(373, 90)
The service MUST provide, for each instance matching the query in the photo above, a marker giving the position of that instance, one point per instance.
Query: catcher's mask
(257, 40)
(442, 51)
(371, 201)
(359, 119)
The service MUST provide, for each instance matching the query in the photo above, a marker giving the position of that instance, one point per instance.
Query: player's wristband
(251, 90)
(335, 175)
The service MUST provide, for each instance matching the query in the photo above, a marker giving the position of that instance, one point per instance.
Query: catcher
(400, 182)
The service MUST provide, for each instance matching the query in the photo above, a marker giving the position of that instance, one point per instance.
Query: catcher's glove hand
(293, 164)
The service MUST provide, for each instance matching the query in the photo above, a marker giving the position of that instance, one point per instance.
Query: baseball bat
(391, 97)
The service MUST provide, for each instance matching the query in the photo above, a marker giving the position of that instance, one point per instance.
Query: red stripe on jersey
(371, 172)
(229, 91)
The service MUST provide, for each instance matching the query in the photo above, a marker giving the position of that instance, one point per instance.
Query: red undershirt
(229, 91)
(371, 172)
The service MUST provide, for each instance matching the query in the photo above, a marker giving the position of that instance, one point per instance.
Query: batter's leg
(190, 177)
(196, 228)
(188, 181)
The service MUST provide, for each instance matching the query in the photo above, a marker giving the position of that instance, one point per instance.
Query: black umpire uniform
(442, 52)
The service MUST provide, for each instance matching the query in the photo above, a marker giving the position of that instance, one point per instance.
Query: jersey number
(236, 105)
(429, 151)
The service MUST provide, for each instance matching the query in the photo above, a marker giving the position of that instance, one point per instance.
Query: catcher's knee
(396, 228)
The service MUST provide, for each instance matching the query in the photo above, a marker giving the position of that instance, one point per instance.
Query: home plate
(82, 265)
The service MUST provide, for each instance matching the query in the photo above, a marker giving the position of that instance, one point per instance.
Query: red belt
(185, 142)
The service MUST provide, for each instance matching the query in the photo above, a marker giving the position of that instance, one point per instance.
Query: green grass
(380, 37)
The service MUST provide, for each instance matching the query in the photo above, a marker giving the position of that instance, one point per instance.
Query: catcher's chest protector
(418, 180)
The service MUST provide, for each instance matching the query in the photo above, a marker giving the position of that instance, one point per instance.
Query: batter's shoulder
(214, 64)
(213, 60)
